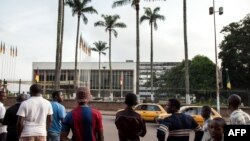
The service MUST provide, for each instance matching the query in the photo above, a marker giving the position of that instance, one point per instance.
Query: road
(111, 134)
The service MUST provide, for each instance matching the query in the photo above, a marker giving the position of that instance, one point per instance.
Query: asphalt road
(111, 134)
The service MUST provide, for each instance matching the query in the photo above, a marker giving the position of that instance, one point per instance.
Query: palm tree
(152, 17)
(110, 23)
(100, 47)
(59, 42)
(186, 52)
(135, 4)
(80, 8)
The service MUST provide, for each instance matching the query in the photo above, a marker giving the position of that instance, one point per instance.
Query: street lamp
(212, 11)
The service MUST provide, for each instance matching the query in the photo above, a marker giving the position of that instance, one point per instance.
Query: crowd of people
(37, 119)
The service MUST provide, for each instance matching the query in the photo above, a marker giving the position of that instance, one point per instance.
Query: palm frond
(119, 25)
(89, 9)
(147, 11)
(114, 32)
(155, 26)
(104, 53)
(156, 10)
(85, 19)
(160, 17)
(100, 23)
(94, 49)
(121, 3)
(144, 18)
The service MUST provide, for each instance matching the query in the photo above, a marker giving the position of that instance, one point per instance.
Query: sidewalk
(108, 113)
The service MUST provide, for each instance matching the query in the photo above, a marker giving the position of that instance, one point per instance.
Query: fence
(204, 97)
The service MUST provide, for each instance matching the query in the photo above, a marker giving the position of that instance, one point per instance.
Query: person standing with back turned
(130, 124)
(84, 121)
(33, 114)
(237, 116)
(10, 118)
(58, 116)
(3, 128)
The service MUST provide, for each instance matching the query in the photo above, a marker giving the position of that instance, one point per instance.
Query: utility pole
(212, 11)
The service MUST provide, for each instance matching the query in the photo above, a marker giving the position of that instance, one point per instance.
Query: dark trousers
(12, 136)
(3, 136)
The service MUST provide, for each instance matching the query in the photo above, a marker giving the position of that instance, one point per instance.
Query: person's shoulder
(95, 111)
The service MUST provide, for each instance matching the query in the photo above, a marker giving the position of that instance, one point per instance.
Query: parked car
(149, 111)
(194, 111)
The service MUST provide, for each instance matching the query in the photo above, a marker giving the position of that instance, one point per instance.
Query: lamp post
(103, 82)
(212, 11)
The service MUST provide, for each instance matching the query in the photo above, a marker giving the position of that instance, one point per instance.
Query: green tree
(59, 42)
(110, 23)
(152, 16)
(135, 4)
(79, 8)
(235, 53)
(100, 47)
(202, 76)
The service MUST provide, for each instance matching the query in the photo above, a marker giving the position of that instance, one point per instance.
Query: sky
(31, 26)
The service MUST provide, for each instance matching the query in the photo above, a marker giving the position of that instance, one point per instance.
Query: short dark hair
(206, 108)
(220, 121)
(56, 93)
(35, 89)
(131, 99)
(234, 100)
(175, 103)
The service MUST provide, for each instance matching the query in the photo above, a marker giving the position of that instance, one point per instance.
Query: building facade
(124, 77)
(88, 75)
(159, 68)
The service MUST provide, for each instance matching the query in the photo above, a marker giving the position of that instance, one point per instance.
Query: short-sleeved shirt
(177, 127)
(239, 117)
(3, 128)
(59, 113)
(84, 122)
(35, 111)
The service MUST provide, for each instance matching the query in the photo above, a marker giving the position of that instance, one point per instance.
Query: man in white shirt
(33, 116)
(237, 116)
(3, 128)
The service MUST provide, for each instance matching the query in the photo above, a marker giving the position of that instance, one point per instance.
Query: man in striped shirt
(177, 127)
(84, 121)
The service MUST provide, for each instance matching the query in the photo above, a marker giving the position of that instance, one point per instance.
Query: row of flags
(13, 50)
(84, 46)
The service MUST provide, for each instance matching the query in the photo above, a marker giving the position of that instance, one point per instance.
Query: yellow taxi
(149, 111)
(194, 111)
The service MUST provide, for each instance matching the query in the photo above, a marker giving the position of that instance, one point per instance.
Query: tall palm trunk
(186, 52)
(137, 6)
(58, 46)
(151, 58)
(76, 52)
(110, 68)
(62, 32)
(99, 77)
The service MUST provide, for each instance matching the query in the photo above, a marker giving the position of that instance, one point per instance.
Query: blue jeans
(52, 136)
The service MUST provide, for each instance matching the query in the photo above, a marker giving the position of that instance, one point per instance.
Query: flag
(16, 52)
(1, 48)
(121, 79)
(89, 51)
(228, 81)
(4, 48)
(36, 76)
(11, 51)
(80, 44)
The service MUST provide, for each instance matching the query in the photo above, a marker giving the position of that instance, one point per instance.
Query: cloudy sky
(31, 26)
